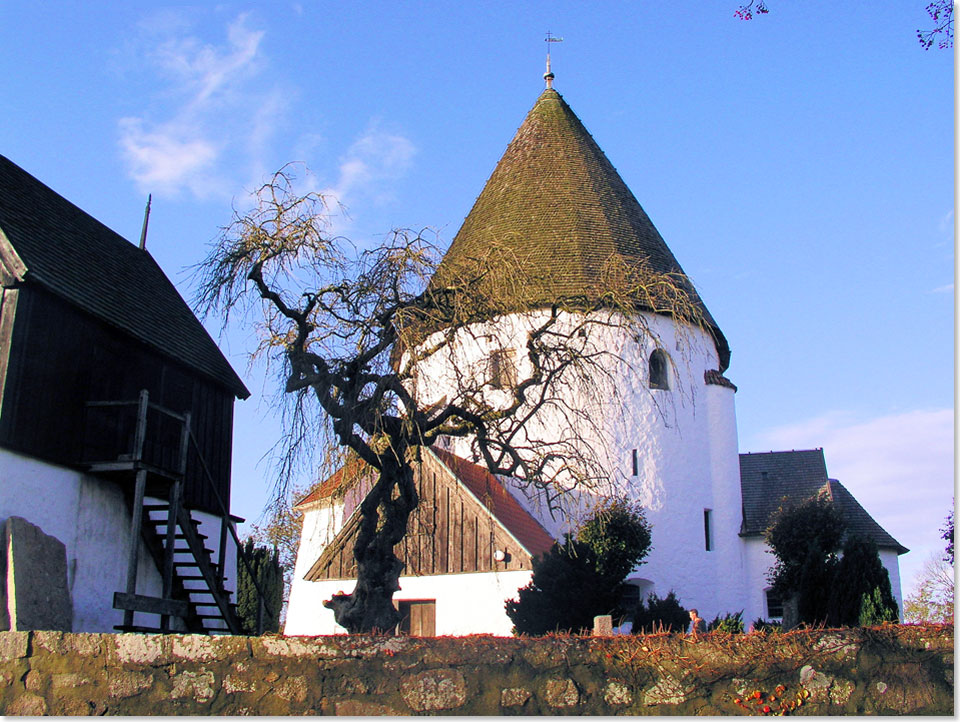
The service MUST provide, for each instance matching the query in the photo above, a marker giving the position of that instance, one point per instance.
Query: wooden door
(419, 617)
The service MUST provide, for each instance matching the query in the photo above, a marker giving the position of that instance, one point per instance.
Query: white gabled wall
(466, 603)
(305, 609)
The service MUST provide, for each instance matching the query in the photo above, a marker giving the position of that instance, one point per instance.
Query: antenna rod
(146, 220)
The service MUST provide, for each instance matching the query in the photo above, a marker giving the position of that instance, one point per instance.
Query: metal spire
(548, 76)
(146, 221)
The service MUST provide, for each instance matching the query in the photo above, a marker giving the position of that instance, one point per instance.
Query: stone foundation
(891, 670)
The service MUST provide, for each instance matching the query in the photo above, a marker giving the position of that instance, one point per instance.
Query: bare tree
(354, 329)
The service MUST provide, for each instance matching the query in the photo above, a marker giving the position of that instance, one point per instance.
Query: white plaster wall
(304, 607)
(892, 564)
(466, 603)
(757, 560)
(90, 517)
(685, 439)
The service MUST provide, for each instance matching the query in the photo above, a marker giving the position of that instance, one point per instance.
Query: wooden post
(222, 550)
(136, 516)
(136, 519)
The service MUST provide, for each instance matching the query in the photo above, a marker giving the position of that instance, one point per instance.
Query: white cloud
(211, 109)
(946, 222)
(898, 466)
(368, 167)
(948, 288)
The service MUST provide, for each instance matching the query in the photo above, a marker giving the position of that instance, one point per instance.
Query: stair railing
(225, 528)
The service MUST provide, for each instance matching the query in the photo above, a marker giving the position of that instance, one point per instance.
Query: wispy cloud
(202, 109)
(948, 288)
(368, 169)
(946, 222)
(898, 466)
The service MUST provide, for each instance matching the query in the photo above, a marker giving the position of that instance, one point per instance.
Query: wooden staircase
(196, 592)
(193, 583)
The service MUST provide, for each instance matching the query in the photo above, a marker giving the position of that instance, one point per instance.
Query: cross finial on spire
(548, 76)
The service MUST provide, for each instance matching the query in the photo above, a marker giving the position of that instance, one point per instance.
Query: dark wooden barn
(105, 369)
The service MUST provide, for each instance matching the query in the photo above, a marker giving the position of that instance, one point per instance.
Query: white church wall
(684, 437)
(90, 517)
(727, 510)
(465, 603)
(891, 563)
(757, 560)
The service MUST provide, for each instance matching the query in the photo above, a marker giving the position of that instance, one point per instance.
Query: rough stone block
(434, 690)
(514, 697)
(36, 575)
(560, 692)
(13, 645)
(603, 625)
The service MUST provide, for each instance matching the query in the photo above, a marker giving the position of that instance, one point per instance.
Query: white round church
(658, 418)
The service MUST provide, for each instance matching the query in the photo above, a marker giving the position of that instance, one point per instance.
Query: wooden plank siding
(450, 532)
(60, 358)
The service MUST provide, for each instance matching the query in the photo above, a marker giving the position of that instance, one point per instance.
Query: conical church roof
(557, 205)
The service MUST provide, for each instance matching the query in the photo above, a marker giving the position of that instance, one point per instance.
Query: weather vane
(548, 76)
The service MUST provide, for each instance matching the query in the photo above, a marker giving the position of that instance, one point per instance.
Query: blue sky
(799, 165)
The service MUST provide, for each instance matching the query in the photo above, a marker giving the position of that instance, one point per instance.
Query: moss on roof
(557, 205)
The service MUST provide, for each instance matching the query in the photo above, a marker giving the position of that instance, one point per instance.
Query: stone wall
(882, 670)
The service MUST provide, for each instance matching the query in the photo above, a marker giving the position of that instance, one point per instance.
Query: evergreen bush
(874, 609)
(660, 614)
(858, 574)
(565, 593)
(762, 625)
(729, 623)
(583, 577)
(265, 564)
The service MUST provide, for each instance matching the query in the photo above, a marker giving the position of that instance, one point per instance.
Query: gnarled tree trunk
(383, 524)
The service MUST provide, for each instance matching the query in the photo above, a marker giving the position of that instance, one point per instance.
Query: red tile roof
(499, 502)
(336, 484)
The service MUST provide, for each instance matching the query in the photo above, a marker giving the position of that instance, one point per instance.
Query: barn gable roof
(474, 483)
(767, 479)
(556, 204)
(47, 240)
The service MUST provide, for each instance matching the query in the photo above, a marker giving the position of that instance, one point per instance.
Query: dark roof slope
(766, 479)
(74, 256)
(557, 205)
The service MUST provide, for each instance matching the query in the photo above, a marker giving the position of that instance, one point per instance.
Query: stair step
(185, 550)
(195, 578)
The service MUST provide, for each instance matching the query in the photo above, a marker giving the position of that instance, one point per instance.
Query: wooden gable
(452, 531)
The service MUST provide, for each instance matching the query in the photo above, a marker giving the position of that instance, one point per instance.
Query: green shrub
(858, 574)
(265, 565)
(660, 614)
(762, 625)
(729, 623)
(874, 609)
(565, 593)
(583, 577)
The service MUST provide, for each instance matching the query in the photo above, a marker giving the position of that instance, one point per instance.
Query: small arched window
(659, 370)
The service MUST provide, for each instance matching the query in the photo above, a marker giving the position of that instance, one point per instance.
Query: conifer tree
(860, 574)
(265, 566)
